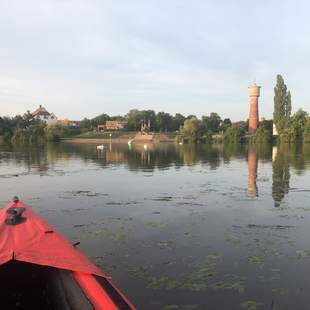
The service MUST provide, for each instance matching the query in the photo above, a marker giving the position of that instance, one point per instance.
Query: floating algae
(163, 198)
(200, 280)
(180, 307)
(256, 260)
(206, 268)
(251, 305)
(169, 245)
(112, 203)
(303, 254)
(79, 193)
(152, 224)
(105, 233)
(163, 283)
(270, 226)
(234, 240)
(238, 286)
(280, 291)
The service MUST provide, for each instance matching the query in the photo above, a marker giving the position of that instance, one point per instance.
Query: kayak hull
(42, 270)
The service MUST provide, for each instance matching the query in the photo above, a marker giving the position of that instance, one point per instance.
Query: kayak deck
(30, 286)
(40, 269)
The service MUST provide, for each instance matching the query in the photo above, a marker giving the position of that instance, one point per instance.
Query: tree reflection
(139, 157)
(280, 173)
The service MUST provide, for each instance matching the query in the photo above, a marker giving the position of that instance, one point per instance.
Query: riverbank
(118, 138)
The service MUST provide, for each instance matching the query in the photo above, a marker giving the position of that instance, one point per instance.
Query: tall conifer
(282, 105)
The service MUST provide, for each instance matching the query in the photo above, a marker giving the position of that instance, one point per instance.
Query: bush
(21, 136)
(55, 132)
(218, 138)
(306, 133)
(33, 134)
(191, 131)
(234, 135)
(36, 134)
(207, 137)
(262, 135)
(289, 135)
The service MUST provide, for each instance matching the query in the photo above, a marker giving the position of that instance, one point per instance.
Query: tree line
(24, 129)
(160, 122)
(290, 128)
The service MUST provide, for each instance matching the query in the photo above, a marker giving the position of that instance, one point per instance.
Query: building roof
(41, 111)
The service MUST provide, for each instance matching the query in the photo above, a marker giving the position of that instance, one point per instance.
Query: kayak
(40, 269)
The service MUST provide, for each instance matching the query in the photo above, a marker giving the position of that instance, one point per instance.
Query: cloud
(82, 58)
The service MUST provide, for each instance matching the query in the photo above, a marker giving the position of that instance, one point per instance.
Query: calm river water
(178, 226)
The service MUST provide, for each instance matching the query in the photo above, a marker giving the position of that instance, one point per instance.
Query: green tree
(234, 135)
(177, 121)
(99, 120)
(306, 133)
(299, 121)
(191, 131)
(264, 132)
(55, 132)
(225, 124)
(211, 122)
(86, 123)
(37, 134)
(262, 135)
(21, 136)
(135, 117)
(207, 137)
(296, 127)
(282, 105)
(164, 121)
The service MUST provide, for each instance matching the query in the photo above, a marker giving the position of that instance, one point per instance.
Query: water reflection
(165, 156)
(280, 173)
(187, 233)
(252, 172)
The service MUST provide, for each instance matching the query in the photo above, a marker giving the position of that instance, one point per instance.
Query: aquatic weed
(280, 291)
(152, 224)
(251, 305)
(238, 286)
(256, 260)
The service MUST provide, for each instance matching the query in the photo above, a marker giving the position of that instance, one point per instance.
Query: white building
(42, 114)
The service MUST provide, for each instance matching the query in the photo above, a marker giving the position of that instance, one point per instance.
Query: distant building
(72, 124)
(112, 125)
(238, 124)
(101, 127)
(43, 115)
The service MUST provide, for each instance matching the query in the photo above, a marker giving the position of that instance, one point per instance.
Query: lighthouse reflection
(252, 173)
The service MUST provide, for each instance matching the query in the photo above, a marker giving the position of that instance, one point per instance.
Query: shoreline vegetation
(166, 127)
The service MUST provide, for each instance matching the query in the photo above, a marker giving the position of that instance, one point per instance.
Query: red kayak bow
(26, 237)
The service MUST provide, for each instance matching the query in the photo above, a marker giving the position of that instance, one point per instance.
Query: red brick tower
(254, 92)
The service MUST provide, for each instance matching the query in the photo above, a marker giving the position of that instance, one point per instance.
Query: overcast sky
(82, 58)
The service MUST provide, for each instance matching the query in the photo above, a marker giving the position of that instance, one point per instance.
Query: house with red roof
(42, 114)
